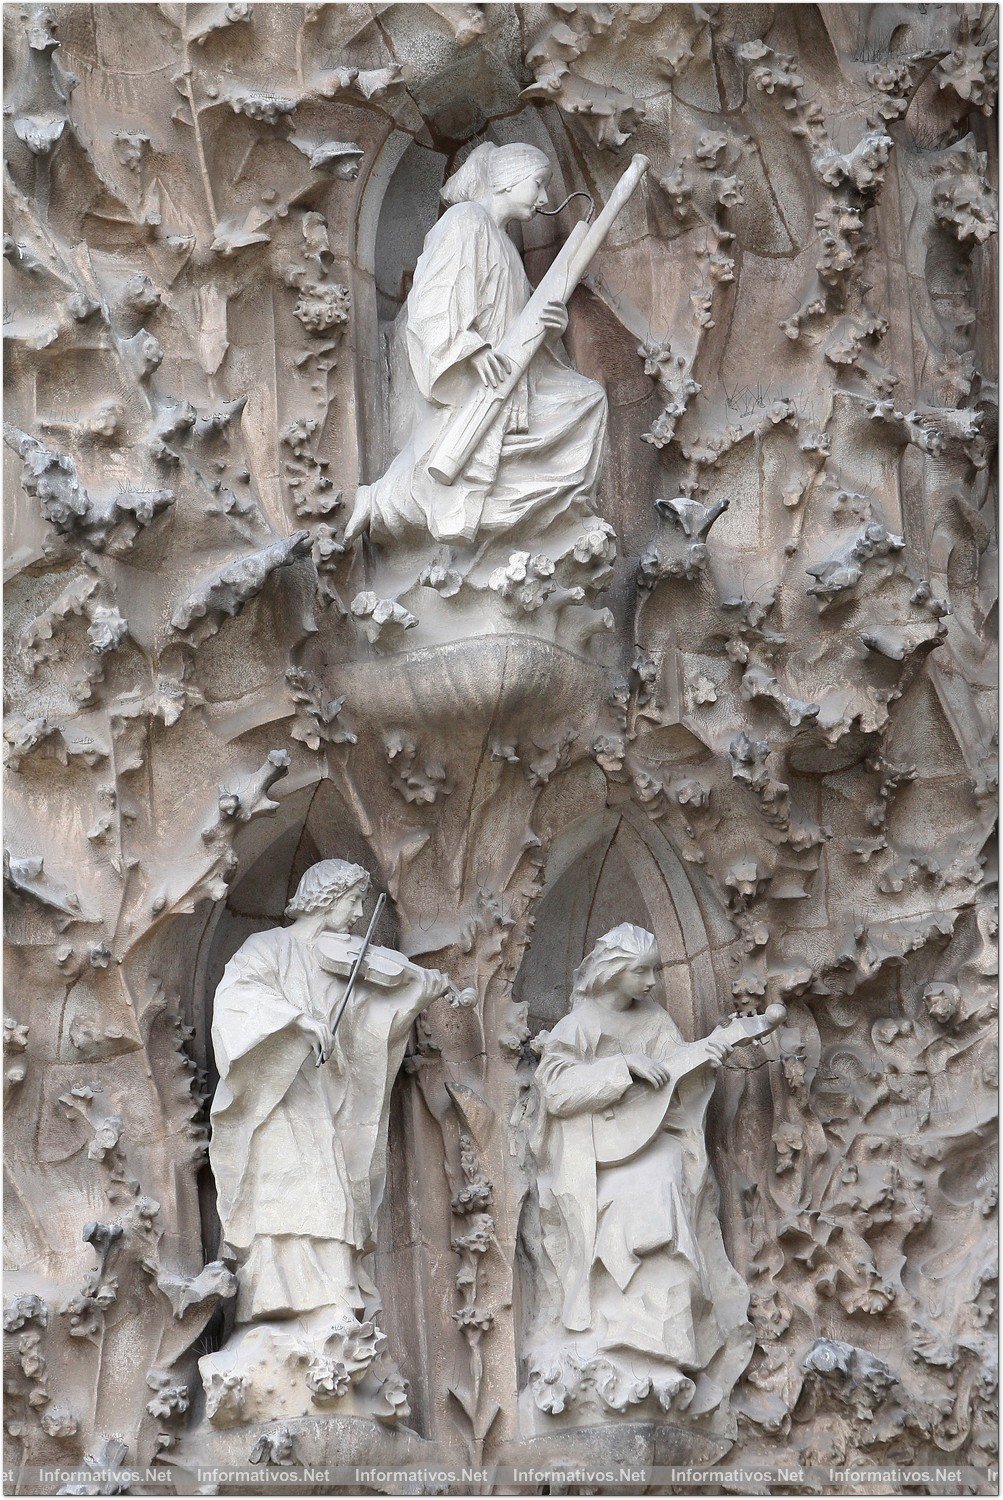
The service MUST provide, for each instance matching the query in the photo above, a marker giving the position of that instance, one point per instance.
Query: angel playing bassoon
(502, 431)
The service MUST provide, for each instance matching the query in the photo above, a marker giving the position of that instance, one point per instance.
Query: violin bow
(357, 966)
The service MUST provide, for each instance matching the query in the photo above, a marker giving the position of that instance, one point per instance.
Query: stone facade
(693, 665)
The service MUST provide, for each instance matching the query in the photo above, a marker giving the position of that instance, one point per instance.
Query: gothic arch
(312, 822)
(609, 869)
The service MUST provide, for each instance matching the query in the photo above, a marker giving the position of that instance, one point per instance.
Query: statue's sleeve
(252, 1005)
(448, 301)
(571, 1084)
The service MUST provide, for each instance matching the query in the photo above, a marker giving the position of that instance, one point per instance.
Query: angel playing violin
(299, 1119)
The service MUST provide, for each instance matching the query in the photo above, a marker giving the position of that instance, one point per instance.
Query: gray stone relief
(535, 462)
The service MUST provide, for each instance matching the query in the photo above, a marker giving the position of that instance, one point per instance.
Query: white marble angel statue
(638, 1299)
(540, 459)
(299, 1132)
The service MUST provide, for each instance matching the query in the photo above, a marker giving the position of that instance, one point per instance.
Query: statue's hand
(321, 1038)
(716, 1051)
(491, 367)
(647, 1071)
(554, 316)
(436, 984)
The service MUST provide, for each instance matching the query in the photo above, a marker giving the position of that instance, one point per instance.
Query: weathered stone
(697, 642)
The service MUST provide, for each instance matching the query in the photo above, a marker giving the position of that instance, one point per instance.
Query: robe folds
(542, 454)
(298, 1152)
(636, 1248)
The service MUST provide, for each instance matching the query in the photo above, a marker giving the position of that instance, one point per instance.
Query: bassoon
(459, 438)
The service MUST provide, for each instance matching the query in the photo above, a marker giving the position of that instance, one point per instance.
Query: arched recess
(313, 822)
(604, 871)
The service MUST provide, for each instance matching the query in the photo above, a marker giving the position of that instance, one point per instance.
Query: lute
(625, 1128)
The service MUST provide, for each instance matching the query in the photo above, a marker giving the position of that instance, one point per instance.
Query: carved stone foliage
(716, 662)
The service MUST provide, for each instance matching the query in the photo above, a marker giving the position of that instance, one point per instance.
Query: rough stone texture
(774, 751)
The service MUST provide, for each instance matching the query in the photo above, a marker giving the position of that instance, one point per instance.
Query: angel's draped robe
(298, 1152)
(636, 1248)
(540, 459)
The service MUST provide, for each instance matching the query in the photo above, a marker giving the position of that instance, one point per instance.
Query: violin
(338, 953)
(354, 958)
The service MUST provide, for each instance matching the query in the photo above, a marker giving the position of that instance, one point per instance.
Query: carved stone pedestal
(692, 640)
(613, 1447)
(281, 1370)
(311, 1455)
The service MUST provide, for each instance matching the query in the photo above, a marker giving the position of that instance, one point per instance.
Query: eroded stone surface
(747, 704)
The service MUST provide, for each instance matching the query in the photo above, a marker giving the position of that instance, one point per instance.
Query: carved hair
(492, 169)
(613, 953)
(324, 884)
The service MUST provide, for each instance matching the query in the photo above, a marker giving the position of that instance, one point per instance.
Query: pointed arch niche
(606, 869)
(314, 823)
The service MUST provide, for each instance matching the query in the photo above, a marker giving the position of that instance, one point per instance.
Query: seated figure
(540, 460)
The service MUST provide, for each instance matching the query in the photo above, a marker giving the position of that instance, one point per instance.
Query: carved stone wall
(770, 742)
